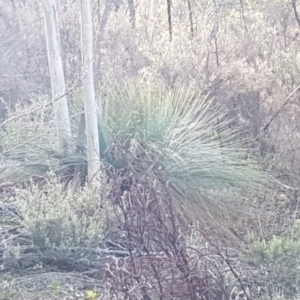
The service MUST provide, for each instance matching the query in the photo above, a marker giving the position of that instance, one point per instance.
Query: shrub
(58, 217)
(278, 261)
(185, 140)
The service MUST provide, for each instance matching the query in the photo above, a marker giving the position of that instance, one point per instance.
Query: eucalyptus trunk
(60, 102)
(90, 106)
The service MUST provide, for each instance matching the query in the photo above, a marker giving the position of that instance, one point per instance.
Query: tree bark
(60, 103)
(294, 4)
(131, 9)
(191, 18)
(104, 19)
(169, 4)
(90, 106)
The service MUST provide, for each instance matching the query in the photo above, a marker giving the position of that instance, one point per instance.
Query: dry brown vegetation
(244, 57)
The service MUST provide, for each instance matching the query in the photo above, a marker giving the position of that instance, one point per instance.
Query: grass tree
(60, 103)
(186, 141)
(176, 162)
(90, 107)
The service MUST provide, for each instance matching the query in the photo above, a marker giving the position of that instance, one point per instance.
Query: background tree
(60, 103)
(131, 8)
(90, 106)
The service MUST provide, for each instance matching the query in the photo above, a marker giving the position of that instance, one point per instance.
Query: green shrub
(279, 262)
(58, 217)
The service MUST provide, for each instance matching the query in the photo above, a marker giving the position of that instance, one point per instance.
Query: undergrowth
(56, 216)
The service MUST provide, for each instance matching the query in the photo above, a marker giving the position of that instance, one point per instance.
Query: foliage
(166, 152)
(237, 49)
(278, 260)
(173, 154)
(28, 123)
(61, 218)
(184, 138)
(92, 295)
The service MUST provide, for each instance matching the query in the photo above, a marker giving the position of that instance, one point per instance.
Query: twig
(266, 126)
(295, 11)
(38, 108)
(169, 4)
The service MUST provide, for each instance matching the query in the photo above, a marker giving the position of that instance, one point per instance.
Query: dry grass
(51, 286)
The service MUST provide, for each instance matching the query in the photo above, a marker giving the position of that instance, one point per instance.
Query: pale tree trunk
(104, 19)
(90, 106)
(60, 103)
(131, 9)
